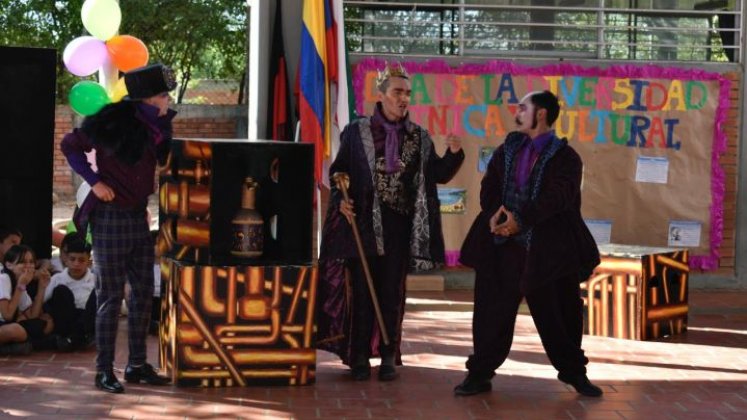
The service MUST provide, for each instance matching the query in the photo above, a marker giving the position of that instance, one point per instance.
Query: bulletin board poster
(650, 138)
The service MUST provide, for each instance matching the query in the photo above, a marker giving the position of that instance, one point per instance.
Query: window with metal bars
(648, 30)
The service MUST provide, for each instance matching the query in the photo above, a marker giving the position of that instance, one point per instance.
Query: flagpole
(318, 191)
(318, 219)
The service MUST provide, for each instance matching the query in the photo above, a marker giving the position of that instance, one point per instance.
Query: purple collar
(379, 118)
(528, 155)
(159, 125)
(149, 112)
(539, 142)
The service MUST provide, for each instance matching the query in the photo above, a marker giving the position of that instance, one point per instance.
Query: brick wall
(193, 121)
(62, 180)
(730, 163)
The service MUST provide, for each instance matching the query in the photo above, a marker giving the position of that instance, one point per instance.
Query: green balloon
(87, 97)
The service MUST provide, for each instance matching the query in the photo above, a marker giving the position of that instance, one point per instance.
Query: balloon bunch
(85, 55)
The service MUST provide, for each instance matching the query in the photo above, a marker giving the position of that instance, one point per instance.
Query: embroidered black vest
(397, 190)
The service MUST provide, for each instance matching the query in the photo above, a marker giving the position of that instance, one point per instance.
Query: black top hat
(144, 82)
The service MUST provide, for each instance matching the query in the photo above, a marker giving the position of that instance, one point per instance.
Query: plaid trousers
(123, 251)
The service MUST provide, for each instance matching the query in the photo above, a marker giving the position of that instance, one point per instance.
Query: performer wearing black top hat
(130, 137)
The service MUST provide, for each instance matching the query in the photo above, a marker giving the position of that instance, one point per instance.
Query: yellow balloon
(119, 91)
(101, 18)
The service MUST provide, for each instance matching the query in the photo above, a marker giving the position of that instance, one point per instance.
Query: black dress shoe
(83, 342)
(63, 344)
(361, 372)
(106, 381)
(387, 372)
(145, 373)
(581, 384)
(472, 385)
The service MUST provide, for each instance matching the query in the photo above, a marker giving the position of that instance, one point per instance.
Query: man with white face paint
(393, 168)
(530, 241)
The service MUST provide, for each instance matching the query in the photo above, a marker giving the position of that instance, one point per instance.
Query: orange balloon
(127, 52)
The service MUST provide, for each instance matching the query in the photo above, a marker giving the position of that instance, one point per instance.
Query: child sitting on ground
(21, 318)
(8, 238)
(70, 297)
(60, 262)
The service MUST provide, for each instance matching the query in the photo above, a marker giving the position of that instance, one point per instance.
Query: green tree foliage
(43, 24)
(198, 38)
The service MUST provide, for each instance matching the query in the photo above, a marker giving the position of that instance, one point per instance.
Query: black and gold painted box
(238, 325)
(235, 241)
(638, 293)
(235, 202)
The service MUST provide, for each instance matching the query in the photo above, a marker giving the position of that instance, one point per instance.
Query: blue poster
(452, 200)
(483, 157)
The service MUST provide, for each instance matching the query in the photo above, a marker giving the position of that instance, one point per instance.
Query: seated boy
(70, 297)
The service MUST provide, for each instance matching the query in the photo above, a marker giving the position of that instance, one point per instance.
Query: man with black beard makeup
(530, 241)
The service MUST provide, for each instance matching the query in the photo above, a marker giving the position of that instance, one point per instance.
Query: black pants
(556, 308)
(389, 272)
(70, 321)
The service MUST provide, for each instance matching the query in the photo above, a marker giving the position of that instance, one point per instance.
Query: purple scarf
(391, 145)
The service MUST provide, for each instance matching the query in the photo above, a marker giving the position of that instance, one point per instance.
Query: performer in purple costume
(393, 169)
(529, 241)
(129, 137)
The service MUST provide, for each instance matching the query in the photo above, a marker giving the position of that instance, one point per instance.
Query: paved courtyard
(699, 375)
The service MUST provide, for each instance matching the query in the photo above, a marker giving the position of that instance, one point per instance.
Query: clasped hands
(503, 223)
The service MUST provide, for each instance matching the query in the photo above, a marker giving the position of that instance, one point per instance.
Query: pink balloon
(84, 55)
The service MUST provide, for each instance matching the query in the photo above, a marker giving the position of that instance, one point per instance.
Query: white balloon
(101, 18)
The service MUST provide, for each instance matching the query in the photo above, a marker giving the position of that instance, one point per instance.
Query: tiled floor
(700, 375)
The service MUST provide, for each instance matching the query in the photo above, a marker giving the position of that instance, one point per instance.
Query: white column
(258, 56)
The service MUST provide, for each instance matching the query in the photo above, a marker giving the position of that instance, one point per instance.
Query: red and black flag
(279, 124)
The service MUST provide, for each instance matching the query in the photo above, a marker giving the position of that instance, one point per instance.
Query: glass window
(663, 30)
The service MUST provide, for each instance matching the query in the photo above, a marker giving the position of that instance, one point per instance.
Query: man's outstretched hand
(454, 143)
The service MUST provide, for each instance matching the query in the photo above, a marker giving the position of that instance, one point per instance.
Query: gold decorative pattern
(238, 326)
(638, 296)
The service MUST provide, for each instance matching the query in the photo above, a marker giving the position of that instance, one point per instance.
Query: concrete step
(425, 282)
(438, 280)
(438, 302)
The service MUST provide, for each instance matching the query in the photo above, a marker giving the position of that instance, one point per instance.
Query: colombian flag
(318, 69)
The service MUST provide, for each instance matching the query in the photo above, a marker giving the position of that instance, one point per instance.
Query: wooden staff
(342, 180)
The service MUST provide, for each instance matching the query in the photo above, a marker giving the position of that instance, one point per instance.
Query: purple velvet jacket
(561, 244)
(132, 184)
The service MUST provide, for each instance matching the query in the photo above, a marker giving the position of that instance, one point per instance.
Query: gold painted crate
(238, 325)
(637, 293)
